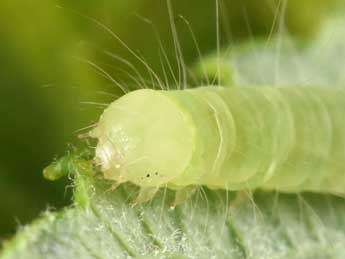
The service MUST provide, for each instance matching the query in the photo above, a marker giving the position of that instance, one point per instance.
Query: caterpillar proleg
(288, 139)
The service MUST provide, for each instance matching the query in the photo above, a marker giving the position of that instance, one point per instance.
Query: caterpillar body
(288, 139)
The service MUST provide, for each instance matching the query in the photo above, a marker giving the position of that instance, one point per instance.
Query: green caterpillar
(288, 139)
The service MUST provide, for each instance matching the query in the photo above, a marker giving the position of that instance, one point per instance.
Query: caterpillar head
(143, 138)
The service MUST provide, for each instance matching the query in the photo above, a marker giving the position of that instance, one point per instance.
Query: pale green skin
(288, 139)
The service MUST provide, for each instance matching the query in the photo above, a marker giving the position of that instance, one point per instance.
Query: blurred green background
(46, 50)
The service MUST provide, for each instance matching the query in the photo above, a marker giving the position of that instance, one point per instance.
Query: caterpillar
(289, 139)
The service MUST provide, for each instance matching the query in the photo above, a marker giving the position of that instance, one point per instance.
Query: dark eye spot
(148, 175)
(156, 173)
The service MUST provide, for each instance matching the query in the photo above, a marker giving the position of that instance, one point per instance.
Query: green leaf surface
(281, 60)
(213, 224)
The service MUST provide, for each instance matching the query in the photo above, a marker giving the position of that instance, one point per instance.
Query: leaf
(213, 224)
(282, 60)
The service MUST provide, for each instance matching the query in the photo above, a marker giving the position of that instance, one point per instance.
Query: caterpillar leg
(145, 194)
(241, 197)
(113, 187)
(184, 194)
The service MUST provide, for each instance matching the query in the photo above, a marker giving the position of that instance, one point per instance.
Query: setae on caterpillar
(288, 139)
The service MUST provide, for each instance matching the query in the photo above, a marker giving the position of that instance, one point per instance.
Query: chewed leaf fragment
(69, 164)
